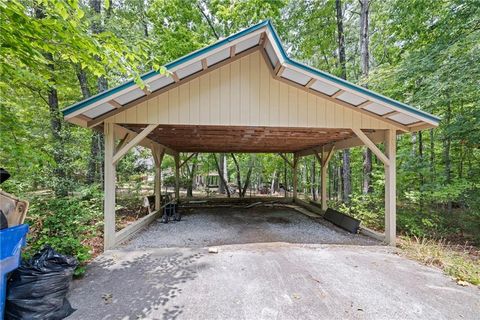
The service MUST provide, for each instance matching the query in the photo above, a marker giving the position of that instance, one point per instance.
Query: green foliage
(422, 52)
(65, 224)
(366, 208)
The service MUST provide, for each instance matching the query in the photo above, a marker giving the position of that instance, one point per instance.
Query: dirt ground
(306, 270)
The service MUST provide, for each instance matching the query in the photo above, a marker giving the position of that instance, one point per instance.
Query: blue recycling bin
(11, 242)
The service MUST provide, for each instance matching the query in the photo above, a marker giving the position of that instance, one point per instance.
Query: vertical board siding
(214, 97)
(254, 88)
(244, 93)
(234, 93)
(244, 90)
(194, 101)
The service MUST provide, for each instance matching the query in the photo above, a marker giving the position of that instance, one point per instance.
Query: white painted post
(158, 157)
(390, 187)
(110, 173)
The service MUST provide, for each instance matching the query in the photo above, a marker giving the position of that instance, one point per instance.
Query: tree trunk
(191, 175)
(341, 40)
(239, 180)
(60, 184)
(432, 156)
(83, 82)
(96, 161)
(365, 66)
(272, 184)
(223, 171)
(446, 154)
(346, 174)
(222, 178)
(247, 180)
(347, 182)
(313, 186)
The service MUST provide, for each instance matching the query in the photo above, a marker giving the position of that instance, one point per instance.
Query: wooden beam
(147, 143)
(109, 193)
(175, 76)
(336, 94)
(158, 154)
(421, 127)
(188, 158)
(119, 155)
(232, 51)
(310, 83)
(279, 71)
(115, 104)
(130, 230)
(369, 143)
(284, 157)
(364, 104)
(277, 68)
(389, 114)
(204, 64)
(326, 159)
(146, 91)
(156, 93)
(390, 188)
(84, 117)
(122, 142)
(261, 42)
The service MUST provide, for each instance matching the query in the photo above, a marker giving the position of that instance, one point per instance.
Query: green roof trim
(402, 106)
(84, 103)
(349, 85)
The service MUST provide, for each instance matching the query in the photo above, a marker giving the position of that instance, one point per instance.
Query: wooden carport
(243, 94)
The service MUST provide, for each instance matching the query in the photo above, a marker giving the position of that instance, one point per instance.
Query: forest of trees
(422, 52)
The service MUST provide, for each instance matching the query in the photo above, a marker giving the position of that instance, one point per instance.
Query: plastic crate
(11, 242)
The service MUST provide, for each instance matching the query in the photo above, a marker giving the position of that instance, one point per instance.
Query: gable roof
(263, 34)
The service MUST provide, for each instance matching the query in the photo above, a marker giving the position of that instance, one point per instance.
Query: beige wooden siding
(244, 93)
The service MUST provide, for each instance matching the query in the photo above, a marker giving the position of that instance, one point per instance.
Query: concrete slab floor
(285, 279)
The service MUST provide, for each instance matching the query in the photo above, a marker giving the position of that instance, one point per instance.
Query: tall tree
(342, 61)
(56, 121)
(95, 164)
(365, 66)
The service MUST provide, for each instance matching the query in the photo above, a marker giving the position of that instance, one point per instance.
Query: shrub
(65, 224)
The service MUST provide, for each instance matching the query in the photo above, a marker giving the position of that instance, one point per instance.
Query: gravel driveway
(287, 279)
(221, 226)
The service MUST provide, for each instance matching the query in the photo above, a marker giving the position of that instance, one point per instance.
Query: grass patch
(461, 262)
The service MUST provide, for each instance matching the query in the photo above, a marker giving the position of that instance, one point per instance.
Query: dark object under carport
(342, 220)
(171, 211)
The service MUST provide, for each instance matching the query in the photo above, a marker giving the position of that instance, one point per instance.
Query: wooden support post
(177, 177)
(324, 159)
(295, 176)
(158, 154)
(110, 173)
(390, 187)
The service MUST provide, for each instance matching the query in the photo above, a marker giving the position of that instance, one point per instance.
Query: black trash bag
(38, 288)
